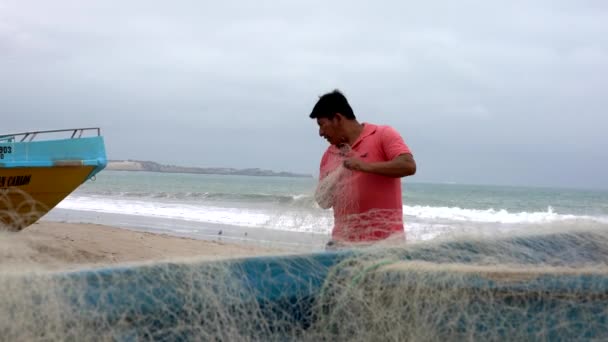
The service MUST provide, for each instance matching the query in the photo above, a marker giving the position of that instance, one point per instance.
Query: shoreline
(61, 246)
(256, 236)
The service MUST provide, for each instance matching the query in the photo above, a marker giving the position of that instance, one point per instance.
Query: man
(360, 173)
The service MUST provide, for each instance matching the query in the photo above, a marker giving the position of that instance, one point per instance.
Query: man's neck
(352, 131)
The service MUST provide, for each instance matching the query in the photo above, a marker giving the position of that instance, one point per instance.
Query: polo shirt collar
(368, 129)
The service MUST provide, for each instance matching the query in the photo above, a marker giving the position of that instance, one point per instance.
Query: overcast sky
(511, 93)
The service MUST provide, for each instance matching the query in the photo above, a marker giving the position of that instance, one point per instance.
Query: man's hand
(356, 164)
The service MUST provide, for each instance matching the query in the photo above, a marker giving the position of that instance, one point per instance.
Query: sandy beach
(64, 246)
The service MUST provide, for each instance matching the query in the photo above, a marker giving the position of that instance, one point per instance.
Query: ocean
(281, 208)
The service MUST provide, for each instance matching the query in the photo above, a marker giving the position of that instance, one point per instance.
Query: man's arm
(324, 195)
(399, 159)
(401, 166)
(328, 186)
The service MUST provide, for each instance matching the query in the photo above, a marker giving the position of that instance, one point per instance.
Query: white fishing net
(18, 210)
(537, 285)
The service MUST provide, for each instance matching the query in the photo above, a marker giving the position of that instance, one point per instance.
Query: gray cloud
(482, 92)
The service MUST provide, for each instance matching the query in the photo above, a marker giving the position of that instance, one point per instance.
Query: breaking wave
(305, 218)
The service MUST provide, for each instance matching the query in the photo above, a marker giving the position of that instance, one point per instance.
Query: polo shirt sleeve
(324, 168)
(393, 144)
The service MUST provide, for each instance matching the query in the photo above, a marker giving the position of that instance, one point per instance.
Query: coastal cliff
(138, 165)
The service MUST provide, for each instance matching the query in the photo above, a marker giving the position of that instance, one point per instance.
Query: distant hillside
(138, 165)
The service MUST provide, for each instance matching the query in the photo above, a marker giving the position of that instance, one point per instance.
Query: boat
(39, 169)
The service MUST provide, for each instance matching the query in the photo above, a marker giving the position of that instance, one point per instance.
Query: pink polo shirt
(366, 206)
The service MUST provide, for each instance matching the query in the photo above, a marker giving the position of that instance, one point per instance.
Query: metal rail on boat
(29, 136)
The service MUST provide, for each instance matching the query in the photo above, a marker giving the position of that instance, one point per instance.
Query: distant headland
(139, 165)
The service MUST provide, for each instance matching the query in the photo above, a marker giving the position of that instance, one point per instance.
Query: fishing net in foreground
(18, 209)
(534, 286)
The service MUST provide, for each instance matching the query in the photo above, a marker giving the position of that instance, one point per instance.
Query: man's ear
(339, 117)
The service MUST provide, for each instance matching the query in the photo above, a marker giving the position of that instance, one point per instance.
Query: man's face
(330, 129)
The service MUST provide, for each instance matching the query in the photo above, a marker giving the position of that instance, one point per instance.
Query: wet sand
(64, 246)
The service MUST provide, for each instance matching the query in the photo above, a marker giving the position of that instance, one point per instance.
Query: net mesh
(18, 210)
(547, 286)
(534, 285)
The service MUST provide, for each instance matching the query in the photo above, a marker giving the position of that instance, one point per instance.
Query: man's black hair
(330, 104)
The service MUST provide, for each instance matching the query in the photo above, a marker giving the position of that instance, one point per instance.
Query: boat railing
(76, 133)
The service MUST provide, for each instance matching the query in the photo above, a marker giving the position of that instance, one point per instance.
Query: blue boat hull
(297, 297)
